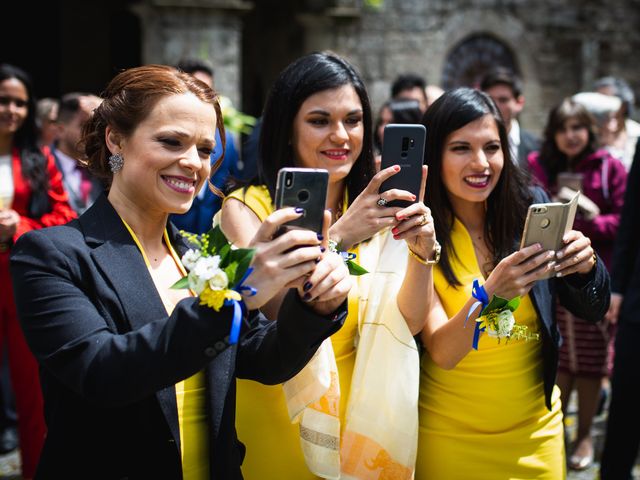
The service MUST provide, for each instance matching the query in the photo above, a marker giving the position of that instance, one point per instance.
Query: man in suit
(82, 188)
(505, 87)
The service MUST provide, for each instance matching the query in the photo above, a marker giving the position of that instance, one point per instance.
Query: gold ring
(424, 220)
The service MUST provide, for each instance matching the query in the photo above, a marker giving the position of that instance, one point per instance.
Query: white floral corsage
(216, 273)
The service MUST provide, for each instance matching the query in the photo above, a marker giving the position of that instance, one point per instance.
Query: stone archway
(470, 59)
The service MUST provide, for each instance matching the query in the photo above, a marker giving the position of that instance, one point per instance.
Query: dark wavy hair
(306, 76)
(551, 158)
(508, 202)
(32, 160)
(128, 100)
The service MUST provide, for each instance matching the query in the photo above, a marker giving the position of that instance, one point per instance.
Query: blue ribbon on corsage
(239, 307)
(480, 294)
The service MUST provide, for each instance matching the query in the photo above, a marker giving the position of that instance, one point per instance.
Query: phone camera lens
(303, 196)
(288, 180)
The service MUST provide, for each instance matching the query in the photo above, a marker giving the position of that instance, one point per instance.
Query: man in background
(410, 85)
(505, 88)
(82, 188)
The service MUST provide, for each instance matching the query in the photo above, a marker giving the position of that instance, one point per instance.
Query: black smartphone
(304, 188)
(403, 144)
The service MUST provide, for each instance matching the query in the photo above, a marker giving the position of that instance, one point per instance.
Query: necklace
(485, 261)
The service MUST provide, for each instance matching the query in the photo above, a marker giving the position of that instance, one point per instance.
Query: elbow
(442, 358)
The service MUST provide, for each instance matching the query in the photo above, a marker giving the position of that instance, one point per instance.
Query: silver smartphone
(403, 144)
(305, 188)
(547, 223)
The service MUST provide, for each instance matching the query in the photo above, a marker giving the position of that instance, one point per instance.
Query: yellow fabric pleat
(190, 399)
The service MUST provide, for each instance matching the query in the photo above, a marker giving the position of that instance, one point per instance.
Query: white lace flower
(206, 267)
(219, 281)
(190, 258)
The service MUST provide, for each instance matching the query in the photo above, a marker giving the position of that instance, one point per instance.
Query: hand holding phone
(547, 223)
(403, 145)
(304, 188)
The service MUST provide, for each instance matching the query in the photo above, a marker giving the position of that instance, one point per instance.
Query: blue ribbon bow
(239, 307)
(479, 293)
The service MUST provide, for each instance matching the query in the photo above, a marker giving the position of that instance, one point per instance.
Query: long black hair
(310, 74)
(32, 160)
(551, 158)
(507, 204)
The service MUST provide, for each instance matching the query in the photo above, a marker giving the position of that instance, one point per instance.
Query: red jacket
(61, 212)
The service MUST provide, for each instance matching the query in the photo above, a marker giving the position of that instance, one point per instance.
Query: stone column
(206, 29)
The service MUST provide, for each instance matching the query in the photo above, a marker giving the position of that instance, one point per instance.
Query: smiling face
(472, 160)
(572, 138)
(166, 159)
(14, 106)
(328, 132)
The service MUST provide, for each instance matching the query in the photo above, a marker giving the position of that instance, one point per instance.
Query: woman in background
(31, 197)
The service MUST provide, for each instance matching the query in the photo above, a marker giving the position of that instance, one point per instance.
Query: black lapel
(119, 258)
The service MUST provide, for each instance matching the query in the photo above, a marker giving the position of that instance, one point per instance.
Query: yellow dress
(486, 418)
(262, 421)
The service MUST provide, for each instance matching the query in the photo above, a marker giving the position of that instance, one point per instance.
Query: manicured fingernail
(317, 260)
(413, 197)
(322, 249)
(401, 217)
(320, 237)
(394, 230)
(307, 286)
(396, 168)
(306, 297)
(299, 210)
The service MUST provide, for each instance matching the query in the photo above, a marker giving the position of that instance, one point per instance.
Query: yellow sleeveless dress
(486, 418)
(262, 421)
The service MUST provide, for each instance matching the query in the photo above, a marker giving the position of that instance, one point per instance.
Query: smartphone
(403, 144)
(304, 188)
(546, 224)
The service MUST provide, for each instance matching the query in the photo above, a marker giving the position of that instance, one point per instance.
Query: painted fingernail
(299, 210)
(322, 249)
(307, 286)
(320, 237)
(413, 197)
(317, 260)
(306, 297)
(394, 230)
(396, 168)
(401, 217)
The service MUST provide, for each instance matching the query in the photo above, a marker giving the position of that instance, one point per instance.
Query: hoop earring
(116, 162)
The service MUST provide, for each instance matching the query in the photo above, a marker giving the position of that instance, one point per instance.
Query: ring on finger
(424, 220)
(382, 202)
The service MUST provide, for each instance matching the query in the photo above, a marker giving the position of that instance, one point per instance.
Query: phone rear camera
(412, 143)
(303, 196)
(288, 180)
(405, 144)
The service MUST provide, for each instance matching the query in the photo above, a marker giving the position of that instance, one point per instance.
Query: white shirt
(72, 176)
(6, 181)
(514, 140)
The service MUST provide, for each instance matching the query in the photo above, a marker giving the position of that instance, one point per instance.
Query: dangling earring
(116, 161)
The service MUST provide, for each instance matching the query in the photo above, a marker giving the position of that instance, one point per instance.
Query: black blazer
(586, 296)
(625, 271)
(110, 355)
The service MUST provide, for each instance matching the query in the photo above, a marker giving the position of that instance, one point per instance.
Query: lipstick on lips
(180, 184)
(477, 181)
(336, 153)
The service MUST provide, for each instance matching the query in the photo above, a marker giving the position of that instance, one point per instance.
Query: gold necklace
(487, 265)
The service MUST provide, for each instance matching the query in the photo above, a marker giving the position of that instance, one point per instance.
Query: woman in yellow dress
(488, 405)
(318, 116)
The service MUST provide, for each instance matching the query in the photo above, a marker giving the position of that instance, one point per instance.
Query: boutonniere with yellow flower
(216, 273)
(496, 317)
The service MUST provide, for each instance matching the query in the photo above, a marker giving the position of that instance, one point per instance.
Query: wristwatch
(437, 249)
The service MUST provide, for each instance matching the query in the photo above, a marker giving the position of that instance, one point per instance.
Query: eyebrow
(319, 111)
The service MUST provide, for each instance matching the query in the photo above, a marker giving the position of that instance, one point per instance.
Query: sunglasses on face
(18, 102)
